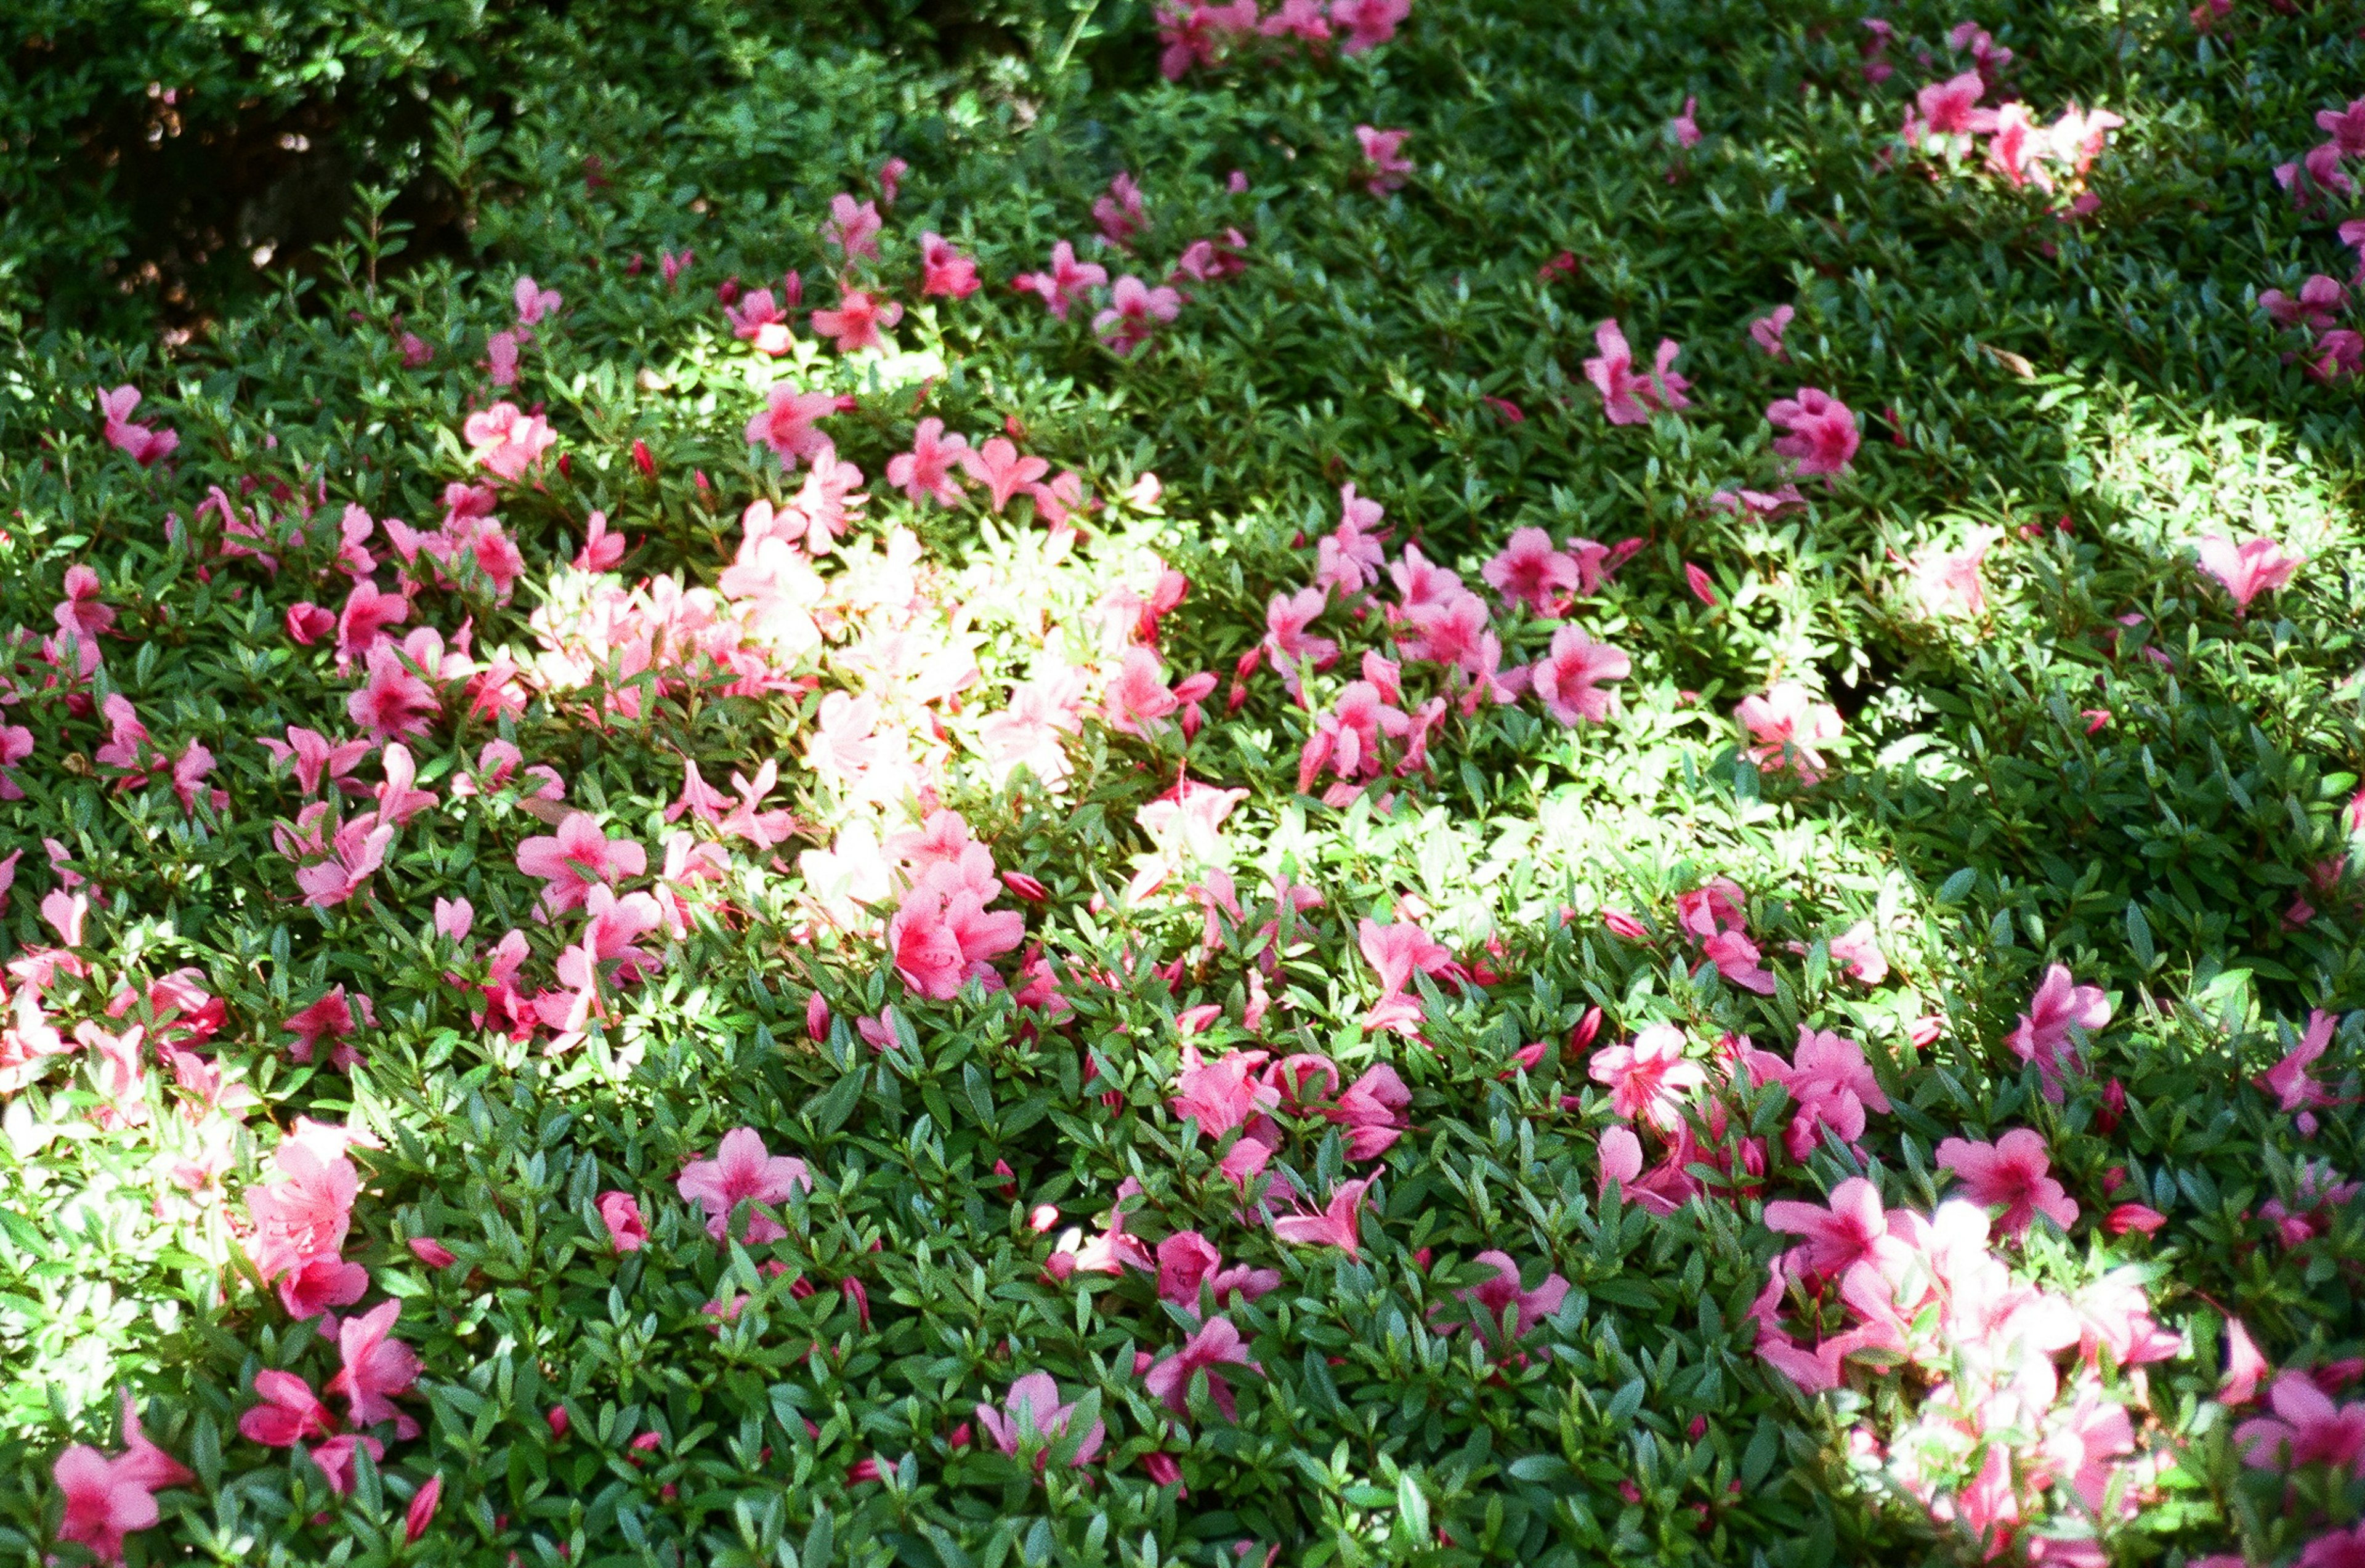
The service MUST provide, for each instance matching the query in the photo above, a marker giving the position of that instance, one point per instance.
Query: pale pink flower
(2043, 1036)
(852, 227)
(1767, 330)
(1737, 959)
(1570, 677)
(332, 1021)
(942, 936)
(2289, 1081)
(289, 1411)
(1786, 725)
(2248, 569)
(377, 1367)
(1950, 107)
(1628, 399)
(313, 757)
(505, 441)
(1648, 1076)
(303, 1214)
(1857, 952)
(107, 1499)
(1031, 1414)
(743, 1171)
(759, 319)
(1495, 1298)
(926, 472)
(1947, 582)
(1222, 1094)
(1717, 905)
(2010, 1174)
(1823, 432)
(1854, 1229)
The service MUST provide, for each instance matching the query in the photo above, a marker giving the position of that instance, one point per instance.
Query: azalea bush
(1352, 782)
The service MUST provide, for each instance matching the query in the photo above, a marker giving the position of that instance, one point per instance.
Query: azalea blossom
(1822, 435)
(1031, 1414)
(946, 273)
(2247, 569)
(1336, 1223)
(1383, 157)
(1628, 399)
(1648, 1076)
(1570, 677)
(858, 320)
(1215, 1346)
(1133, 312)
(2043, 1036)
(377, 1367)
(927, 471)
(1070, 281)
(2010, 1174)
(2307, 1429)
(1786, 725)
(1766, 330)
(743, 1171)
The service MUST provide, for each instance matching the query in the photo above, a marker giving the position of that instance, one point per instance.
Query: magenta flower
(107, 1499)
(2043, 1036)
(2289, 1081)
(1368, 23)
(2321, 300)
(1767, 330)
(2248, 569)
(1684, 128)
(926, 472)
(1120, 214)
(1951, 108)
(1786, 725)
(1737, 959)
(1215, 1346)
(1647, 1077)
(786, 423)
(757, 320)
(942, 936)
(1529, 571)
(1384, 158)
(2307, 1429)
(944, 271)
(2009, 1174)
(144, 446)
(395, 699)
(1823, 432)
(743, 1171)
(1068, 283)
(852, 227)
(620, 1213)
(377, 1367)
(421, 1512)
(1854, 1229)
(1569, 678)
(857, 320)
(1134, 310)
(1628, 399)
(1031, 1414)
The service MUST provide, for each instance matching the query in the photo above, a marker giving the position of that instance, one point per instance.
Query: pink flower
(1626, 397)
(1857, 952)
(1950, 107)
(1569, 678)
(1787, 724)
(743, 1172)
(852, 227)
(377, 1367)
(1134, 308)
(1529, 571)
(1336, 1225)
(289, 1413)
(1767, 330)
(1120, 213)
(1823, 432)
(2320, 302)
(2289, 1081)
(2248, 569)
(786, 423)
(1004, 473)
(1715, 906)
(1383, 157)
(1368, 23)
(421, 1512)
(1031, 1414)
(1216, 1344)
(306, 622)
(620, 1213)
(331, 1021)
(578, 855)
(304, 1214)
(2307, 1429)
(1854, 1229)
(942, 936)
(1396, 952)
(944, 271)
(431, 1252)
(2010, 1174)
(137, 442)
(759, 319)
(1222, 1094)
(926, 472)
(1504, 1293)
(335, 1458)
(1737, 959)
(1068, 283)
(107, 1499)
(1373, 1110)
(1647, 1077)
(507, 442)
(394, 699)
(2044, 1035)
(857, 320)
(1684, 128)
